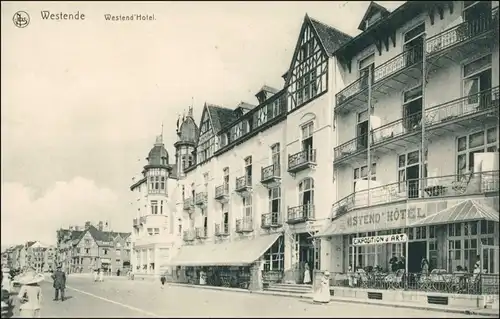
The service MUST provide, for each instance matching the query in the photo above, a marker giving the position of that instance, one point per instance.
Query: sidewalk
(466, 311)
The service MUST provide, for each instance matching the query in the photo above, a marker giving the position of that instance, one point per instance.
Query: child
(30, 295)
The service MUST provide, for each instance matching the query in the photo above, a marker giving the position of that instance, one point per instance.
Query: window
(479, 142)
(225, 221)
(247, 207)
(154, 207)
(105, 251)
(248, 170)
(409, 173)
(223, 140)
(476, 80)
(306, 195)
(156, 231)
(226, 179)
(162, 183)
(307, 137)
(274, 258)
(183, 189)
(161, 207)
(206, 149)
(269, 111)
(365, 67)
(361, 173)
(205, 125)
(150, 231)
(275, 155)
(275, 203)
(412, 109)
(205, 178)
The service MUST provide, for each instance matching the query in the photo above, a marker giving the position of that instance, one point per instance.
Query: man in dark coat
(59, 278)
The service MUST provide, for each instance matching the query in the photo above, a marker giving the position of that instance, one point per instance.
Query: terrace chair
(395, 280)
(460, 186)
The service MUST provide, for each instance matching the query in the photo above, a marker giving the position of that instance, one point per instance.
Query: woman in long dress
(101, 275)
(30, 295)
(307, 274)
(322, 294)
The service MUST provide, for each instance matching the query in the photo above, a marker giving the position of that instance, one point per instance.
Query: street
(124, 298)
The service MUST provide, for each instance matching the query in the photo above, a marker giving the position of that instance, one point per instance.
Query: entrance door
(416, 251)
(489, 259)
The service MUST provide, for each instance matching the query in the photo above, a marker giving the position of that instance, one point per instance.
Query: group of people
(98, 275)
(30, 293)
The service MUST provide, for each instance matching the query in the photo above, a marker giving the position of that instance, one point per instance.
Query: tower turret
(187, 133)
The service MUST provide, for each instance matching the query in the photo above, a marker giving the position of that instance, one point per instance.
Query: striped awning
(234, 253)
(468, 210)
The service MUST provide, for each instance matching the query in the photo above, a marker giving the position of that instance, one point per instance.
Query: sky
(82, 101)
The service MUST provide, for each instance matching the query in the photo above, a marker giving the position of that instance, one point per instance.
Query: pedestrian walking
(96, 274)
(163, 280)
(59, 284)
(322, 294)
(101, 275)
(30, 295)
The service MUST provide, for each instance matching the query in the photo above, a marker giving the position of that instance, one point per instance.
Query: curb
(477, 312)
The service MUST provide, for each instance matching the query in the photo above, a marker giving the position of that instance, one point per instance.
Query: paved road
(123, 298)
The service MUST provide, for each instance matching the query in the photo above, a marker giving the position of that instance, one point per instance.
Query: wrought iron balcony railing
(299, 214)
(353, 146)
(460, 33)
(243, 182)
(398, 63)
(433, 187)
(201, 198)
(188, 203)
(352, 89)
(189, 235)
(464, 106)
(221, 191)
(222, 229)
(270, 220)
(201, 232)
(270, 172)
(301, 159)
(406, 125)
(244, 224)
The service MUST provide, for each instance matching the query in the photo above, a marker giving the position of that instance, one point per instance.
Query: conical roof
(158, 155)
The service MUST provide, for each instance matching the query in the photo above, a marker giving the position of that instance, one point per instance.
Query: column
(141, 258)
(156, 260)
(148, 256)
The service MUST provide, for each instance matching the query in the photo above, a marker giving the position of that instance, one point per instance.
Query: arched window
(306, 195)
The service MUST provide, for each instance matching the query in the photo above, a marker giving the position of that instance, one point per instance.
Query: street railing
(438, 280)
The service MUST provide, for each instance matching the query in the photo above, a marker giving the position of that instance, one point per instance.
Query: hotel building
(256, 180)
(418, 137)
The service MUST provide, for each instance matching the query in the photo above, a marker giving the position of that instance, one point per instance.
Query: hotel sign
(378, 240)
(382, 218)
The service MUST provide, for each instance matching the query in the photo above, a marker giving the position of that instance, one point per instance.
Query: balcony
(394, 75)
(188, 204)
(300, 214)
(189, 235)
(270, 220)
(435, 187)
(201, 199)
(463, 40)
(398, 134)
(243, 185)
(222, 193)
(354, 96)
(302, 160)
(463, 113)
(270, 176)
(244, 225)
(201, 232)
(222, 229)
(353, 149)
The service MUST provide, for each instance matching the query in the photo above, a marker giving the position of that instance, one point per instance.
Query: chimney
(87, 225)
(101, 226)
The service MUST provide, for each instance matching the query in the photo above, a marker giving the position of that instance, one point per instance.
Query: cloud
(28, 217)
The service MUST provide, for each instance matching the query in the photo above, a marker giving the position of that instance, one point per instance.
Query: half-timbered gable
(307, 77)
(206, 142)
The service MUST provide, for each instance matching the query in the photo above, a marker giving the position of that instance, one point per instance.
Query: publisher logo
(21, 19)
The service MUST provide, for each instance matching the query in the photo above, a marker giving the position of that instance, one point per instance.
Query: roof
(30, 243)
(221, 116)
(188, 130)
(158, 152)
(372, 9)
(392, 21)
(269, 89)
(468, 210)
(330, 37)
(246, 106)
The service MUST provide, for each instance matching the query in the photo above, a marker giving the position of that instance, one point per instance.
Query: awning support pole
(406, 259)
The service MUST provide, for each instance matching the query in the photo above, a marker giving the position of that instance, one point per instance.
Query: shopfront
(449, 234)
